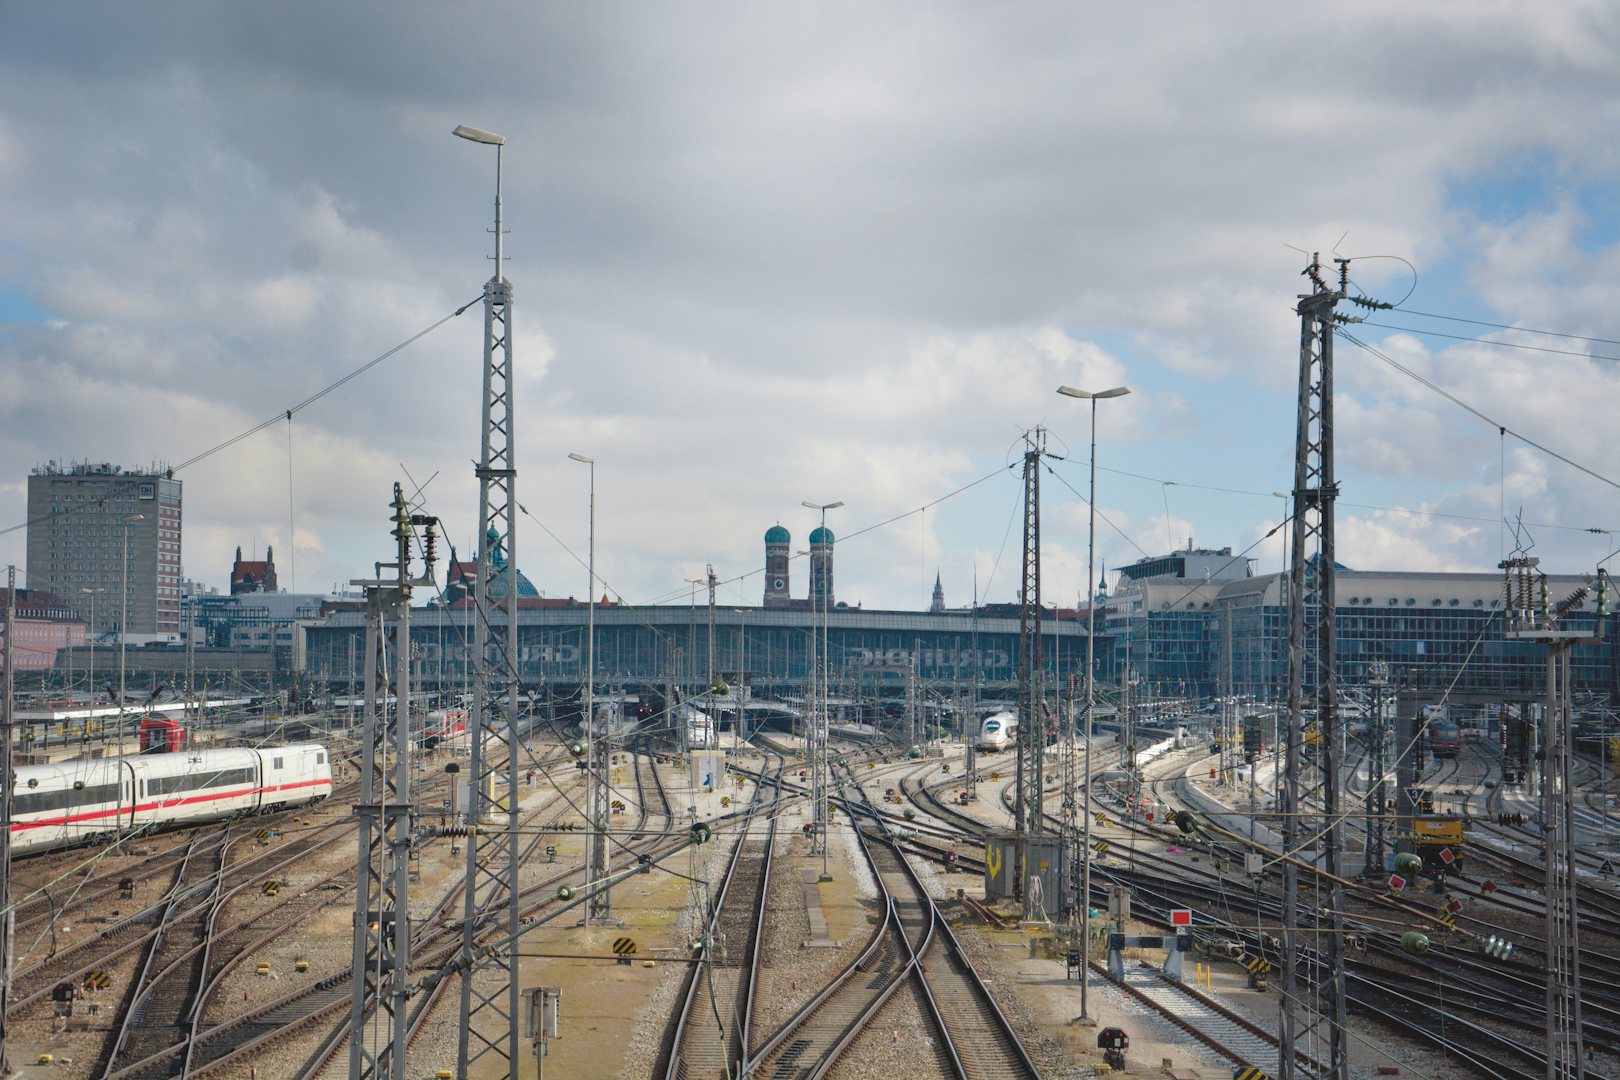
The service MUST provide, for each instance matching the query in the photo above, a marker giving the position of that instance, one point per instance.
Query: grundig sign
(929, 659)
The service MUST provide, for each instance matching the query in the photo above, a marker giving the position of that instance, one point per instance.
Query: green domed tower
(821, 568)
(778, 542)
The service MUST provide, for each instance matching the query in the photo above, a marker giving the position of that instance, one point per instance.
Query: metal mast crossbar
(1312, 671)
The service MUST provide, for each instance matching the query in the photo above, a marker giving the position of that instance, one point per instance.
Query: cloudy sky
(770, 253)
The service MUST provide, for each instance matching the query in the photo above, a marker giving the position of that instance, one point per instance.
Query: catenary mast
(1312, 669)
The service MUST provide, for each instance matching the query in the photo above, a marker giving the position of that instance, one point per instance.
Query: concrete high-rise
(77, 548)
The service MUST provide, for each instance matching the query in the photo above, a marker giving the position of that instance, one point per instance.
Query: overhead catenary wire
(1494, 342)
(1472, 411)
(1506, 326)
(285, 414)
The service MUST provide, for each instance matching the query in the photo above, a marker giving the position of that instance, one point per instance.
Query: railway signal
(1113, 1042)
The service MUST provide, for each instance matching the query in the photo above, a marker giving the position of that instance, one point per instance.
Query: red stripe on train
(94, 815)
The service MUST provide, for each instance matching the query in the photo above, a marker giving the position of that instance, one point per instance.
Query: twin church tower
(779, 557)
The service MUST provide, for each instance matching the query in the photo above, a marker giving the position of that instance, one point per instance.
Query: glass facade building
(771, 649)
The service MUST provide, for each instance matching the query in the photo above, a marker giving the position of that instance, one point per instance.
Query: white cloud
(764, 256)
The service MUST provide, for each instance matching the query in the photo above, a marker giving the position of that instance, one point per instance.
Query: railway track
(155, 1014)
(712, 1029)
(977, 1036)
(912, 950)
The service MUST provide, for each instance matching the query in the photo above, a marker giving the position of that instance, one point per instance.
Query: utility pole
(911, 696)
(713, 739)
(382, 930)
(1312, 669)
(1376, 796)
(1069, 810)
(821, 595)
(1031, 719)
(7, 913)
(490, 1005)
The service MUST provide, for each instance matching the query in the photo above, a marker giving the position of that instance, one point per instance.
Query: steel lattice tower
(489, 981)
(1312, 670)
(1031, 722)
(386, 829)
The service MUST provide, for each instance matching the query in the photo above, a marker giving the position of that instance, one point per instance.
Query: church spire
(937, 605)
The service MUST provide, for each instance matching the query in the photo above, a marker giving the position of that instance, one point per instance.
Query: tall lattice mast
(382, 932)
(1312, 670)
(488, 1043)
(1031, 710)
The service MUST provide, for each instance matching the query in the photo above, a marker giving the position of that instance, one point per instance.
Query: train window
(275, 763)
(320, 757)
(41, 802)
(169, 785)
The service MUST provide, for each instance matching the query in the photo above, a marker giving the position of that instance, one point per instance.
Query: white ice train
(998, 731)
(613, 721)
(101, 799)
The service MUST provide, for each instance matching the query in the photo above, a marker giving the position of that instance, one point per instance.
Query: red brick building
(254, 577)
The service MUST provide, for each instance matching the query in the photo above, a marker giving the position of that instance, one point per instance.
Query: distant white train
(613, 721)
(99, 799)
(998, 731)
(700, 729)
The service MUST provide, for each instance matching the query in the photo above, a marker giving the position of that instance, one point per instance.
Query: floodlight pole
(1091, 671)
(489, 983)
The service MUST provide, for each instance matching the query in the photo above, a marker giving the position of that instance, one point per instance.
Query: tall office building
(77, 548)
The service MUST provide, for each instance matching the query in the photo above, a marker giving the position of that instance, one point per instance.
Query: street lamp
(123, 626)
(489, 138)
(1091, 697)
(818, 759)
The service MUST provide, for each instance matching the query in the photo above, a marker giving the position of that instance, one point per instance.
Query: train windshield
(992, 726)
